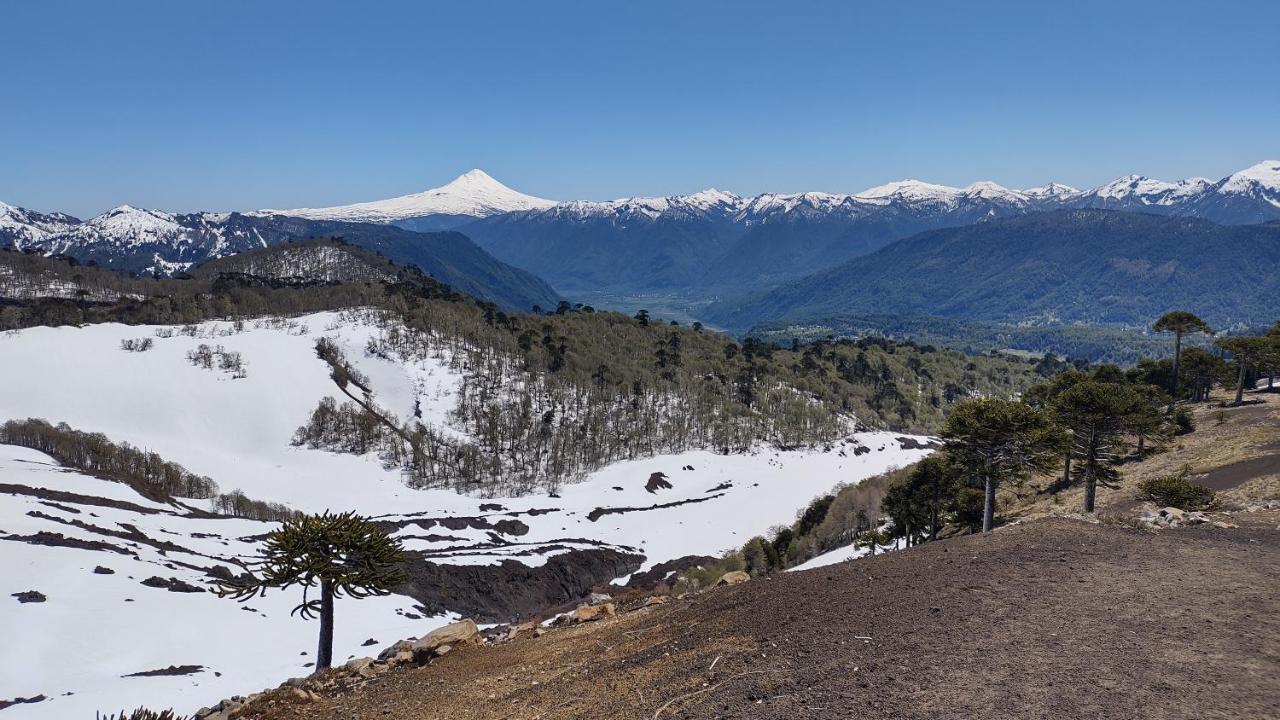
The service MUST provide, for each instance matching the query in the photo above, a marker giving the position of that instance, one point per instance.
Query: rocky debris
(1172, 517)
(171, 584)
(733, 577)
(100, 570)
(597, 598)
(657, 481)
(656, 600)
(30, 596)
(223, 710)
(1262, 505)
(463, 632)
(369, 643)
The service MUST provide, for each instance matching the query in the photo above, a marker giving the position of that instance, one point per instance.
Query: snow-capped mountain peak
(473, 194)
(910, 190)
(1265, 175)
(1051, 191)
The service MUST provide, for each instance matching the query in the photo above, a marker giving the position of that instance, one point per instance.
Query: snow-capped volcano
(473, 194)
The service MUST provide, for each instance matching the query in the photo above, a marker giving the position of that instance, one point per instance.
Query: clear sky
(240, 105)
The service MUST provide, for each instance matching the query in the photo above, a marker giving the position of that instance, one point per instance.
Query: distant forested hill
(1089, 266)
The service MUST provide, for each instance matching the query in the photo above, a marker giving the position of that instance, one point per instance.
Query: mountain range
(1064, 266)
(708, 246)
(143, 241)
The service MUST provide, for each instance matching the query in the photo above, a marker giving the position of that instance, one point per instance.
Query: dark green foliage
(1077, 342)
(146, 472)
(142, 714)
(1099, 414)
(930, 495)
(1183, 421)
(1178, 491)
(1067, 266)
(1000, 441)
(342, 554)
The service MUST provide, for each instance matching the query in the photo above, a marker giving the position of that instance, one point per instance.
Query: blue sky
(241, 105)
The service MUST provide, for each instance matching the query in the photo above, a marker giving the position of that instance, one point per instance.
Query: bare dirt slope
(1051, 618)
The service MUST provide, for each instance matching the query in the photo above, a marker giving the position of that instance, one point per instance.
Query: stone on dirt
(733, 577)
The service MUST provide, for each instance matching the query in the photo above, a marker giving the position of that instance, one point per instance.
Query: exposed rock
(360, 666)
(597, 598)
(171, 584)
(657, 481)
(590, 613)
(655, 600)
(30, 596)
(100, 570)
(733, 577)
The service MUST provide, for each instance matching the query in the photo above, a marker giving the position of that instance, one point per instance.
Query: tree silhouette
(343, 554)
(995, 441)
(1180, 323)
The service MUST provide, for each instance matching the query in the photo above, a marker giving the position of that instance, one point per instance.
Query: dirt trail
(1050, 618)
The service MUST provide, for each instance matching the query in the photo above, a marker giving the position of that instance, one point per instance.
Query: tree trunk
(1066, 470)
(1240, 382)
(989, 506)
(324, 653)
(933, 514)
(1142, 441)
(1090, 492)
(1177, 357)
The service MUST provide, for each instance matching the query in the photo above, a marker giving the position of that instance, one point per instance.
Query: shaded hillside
(1064, 266)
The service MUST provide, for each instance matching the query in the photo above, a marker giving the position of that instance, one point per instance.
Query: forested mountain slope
(1090, 266)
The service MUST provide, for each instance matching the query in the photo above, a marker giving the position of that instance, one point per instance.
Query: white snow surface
(238, 431)
(473, 193)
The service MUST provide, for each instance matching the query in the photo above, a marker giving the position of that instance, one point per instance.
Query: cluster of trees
(548, 398)
(1084, 423)
(146, 472)
(227, 361)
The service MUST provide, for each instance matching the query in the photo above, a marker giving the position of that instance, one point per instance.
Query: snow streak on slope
(99, 624)
(473, 193)
(238, 431)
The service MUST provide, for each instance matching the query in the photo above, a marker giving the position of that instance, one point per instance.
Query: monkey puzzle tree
(1180, 323)
(1249, 352)
(343, 554)
(995, 441)
(1044, 396)
(1099, 414)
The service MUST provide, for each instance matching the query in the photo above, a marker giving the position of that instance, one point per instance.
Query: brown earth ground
(1048, 617)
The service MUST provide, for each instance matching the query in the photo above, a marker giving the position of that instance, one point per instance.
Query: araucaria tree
(1249, 353)
(1180, 323)
(1099, 415)
(342, 554)
(1000, 441)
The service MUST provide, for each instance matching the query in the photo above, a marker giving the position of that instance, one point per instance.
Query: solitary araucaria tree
(343, 554)
(1180, 323)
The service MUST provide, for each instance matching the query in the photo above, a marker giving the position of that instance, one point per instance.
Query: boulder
(598, 598)
(463, 632)
(362, 666)
(399, 647)
(733, 578)
(655, 600)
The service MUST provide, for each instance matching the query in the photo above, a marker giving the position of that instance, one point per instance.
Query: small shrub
(1183, 421)
(1221, 416)
(1176, 490)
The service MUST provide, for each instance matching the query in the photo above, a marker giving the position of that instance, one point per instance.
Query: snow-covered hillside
(473, 194)
(237, 430)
